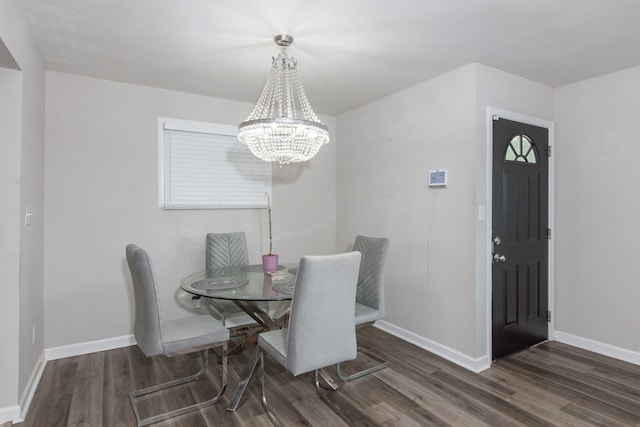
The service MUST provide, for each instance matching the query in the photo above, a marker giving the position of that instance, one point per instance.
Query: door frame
(491, 113)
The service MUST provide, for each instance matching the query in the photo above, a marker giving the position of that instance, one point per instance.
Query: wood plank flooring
(550, 385)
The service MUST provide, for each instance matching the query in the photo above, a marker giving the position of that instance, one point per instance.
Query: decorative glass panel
(521, 149)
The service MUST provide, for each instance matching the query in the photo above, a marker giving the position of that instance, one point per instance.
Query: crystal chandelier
(282, 126)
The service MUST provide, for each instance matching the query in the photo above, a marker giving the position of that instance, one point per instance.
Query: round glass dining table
(246, 286)
(241, 283)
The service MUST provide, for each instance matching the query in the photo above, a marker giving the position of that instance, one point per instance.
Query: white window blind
(203, 166)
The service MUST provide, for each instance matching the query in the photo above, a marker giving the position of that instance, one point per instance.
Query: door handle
(499, 258)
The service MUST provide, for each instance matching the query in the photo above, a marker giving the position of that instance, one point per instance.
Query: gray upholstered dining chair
(321, 328)
(156, 336)
(369, 294)
(225, 250)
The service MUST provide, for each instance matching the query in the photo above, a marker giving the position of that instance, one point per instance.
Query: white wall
(386, 150)
(21, 154)
(101, 193)
(32, 327)
(10, 117)
(436, 272)
(597, 209)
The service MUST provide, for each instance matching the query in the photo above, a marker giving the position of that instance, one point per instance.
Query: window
(203, 166)
(521, 149)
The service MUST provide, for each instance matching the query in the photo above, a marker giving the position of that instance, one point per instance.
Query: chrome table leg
(244, 381)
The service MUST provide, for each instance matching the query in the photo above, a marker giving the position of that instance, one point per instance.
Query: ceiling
(349, 52)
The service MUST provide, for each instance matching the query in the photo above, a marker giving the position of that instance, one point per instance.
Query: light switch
(482, 213)
(27, 215)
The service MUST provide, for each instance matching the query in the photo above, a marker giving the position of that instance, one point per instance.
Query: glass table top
(243, 282)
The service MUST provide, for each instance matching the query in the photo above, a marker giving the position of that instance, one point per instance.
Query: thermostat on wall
(438, 178)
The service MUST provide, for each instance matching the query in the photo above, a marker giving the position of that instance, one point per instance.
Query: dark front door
(520, 236)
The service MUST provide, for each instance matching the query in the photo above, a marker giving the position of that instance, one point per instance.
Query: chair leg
(329, 383)
(134, 395)
(381, 365)
(335, 407)
(319, 374)
(263, 392)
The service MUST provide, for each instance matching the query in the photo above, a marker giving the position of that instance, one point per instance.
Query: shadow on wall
(126, 275)
(186, 301)
(281, 173)
(288, 173)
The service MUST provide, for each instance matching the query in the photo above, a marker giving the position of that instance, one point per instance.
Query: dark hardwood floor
(550, 385)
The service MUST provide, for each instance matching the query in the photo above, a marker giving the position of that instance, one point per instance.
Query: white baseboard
(88, 347)
(10, 413)
(32, 385)
(17, 413)
(598, 347)
(478, 364)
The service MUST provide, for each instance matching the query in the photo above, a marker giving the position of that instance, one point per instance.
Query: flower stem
(269, 213)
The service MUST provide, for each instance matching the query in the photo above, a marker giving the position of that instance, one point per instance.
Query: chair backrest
(226, 249)
(147, 305)
(322, 324)
(370, 290)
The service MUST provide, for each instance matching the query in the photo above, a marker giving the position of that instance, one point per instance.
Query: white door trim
(491, 112)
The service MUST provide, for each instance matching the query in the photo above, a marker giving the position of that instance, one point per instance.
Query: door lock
(499, 258)
(497, 240)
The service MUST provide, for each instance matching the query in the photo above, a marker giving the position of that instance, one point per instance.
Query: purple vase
(269, 263)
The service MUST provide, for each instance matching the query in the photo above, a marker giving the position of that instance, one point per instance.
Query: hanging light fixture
(282, 126)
